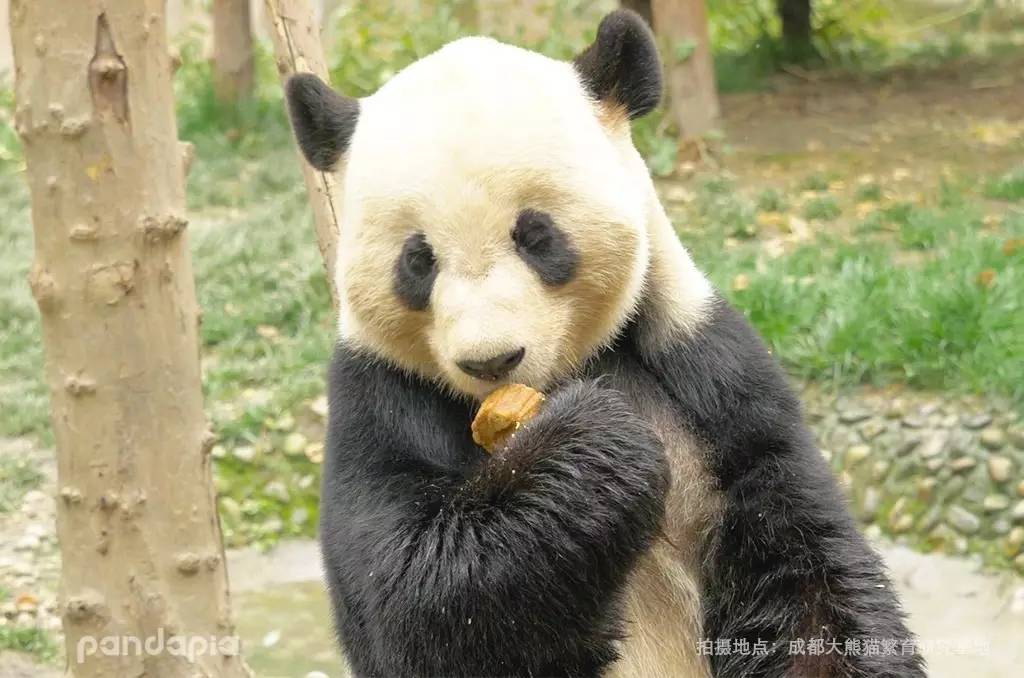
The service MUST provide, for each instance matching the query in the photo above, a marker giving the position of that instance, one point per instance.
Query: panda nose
(494, 368)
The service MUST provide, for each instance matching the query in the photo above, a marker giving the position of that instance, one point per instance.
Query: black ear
(622, 66)
(323, 120)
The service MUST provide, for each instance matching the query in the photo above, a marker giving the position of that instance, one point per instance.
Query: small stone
(963, 520)
(897, 408)
(1018, 562)
(1014, 542)
(933, 445)
(295, 443)
(926, 488)
(319, 406)
(962, 464)
(908, 445)
(869, 503)
(1017, 514)
(853, 415)
(826, 454)
(300, 516)
(315, 452)
(1001, 526)
(999, 468)
(913, 421)
(871, 429)
(977, 421)
(879, 470)
(857, 454)
(948, 421)
(993, 438)
(901, 523)
(994, 503)
(1020, 489)
(316, 674)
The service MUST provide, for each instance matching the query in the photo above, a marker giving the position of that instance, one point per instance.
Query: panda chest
(662, 602)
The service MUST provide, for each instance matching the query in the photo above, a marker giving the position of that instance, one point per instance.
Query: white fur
(455, 146)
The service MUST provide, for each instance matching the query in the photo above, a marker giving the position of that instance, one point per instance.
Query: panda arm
(509, 566)
(787, 562)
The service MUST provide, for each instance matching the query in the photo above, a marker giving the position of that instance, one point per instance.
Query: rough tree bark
(297, 49)
(232, 50)
(136, 517)
(641, 7)
(682, 30)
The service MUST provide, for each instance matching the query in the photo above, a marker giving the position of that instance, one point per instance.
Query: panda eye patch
(415, 271)
(544, 247)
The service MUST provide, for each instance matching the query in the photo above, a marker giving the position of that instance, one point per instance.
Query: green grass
(1009, 186)
(822, 207)
(28, 640)
(17, 476)
(848, 308)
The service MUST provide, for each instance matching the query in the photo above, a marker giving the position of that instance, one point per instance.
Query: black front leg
(509, 566)
(786, 564)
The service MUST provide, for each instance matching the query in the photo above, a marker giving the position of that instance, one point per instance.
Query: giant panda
(499, 226)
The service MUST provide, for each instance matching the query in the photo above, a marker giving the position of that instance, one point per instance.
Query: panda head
(494, 209)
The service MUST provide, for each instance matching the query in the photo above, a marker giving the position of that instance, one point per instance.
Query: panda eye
(533, 230)
(415, 271)
(544, 247)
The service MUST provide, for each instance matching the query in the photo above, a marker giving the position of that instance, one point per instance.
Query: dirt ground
(958, 119)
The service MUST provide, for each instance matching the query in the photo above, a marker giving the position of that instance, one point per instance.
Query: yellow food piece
(503, 412)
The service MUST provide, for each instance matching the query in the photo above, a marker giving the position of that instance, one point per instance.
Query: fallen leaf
(1012, 246)
(987, 278)
(740, 282)
(267, 331)
(775, 219)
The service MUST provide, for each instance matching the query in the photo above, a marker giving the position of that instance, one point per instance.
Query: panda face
(494, 211)
(493, 225)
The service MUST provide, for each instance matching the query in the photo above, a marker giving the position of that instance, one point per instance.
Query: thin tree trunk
(297, 49)
(641, 7)
(682, 30)
(136, 517)
(796, 28)
(232, 50)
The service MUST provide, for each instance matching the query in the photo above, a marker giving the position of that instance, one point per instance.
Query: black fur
(415, 272)
(787, 562)
(622, 65)
(323, 120)
(545, 247)
(445, 561)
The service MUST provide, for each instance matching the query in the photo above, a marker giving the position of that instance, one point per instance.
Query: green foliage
(772, 200)
(822, 207)
(848, 311)
(28, 640)
(1009, 186)
(869, 192)
(17, 476)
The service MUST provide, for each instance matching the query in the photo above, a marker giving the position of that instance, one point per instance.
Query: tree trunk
(232, 50)
(796, 29)
(136, 517)
(297, 49)
(641, 7)
(682, 30)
